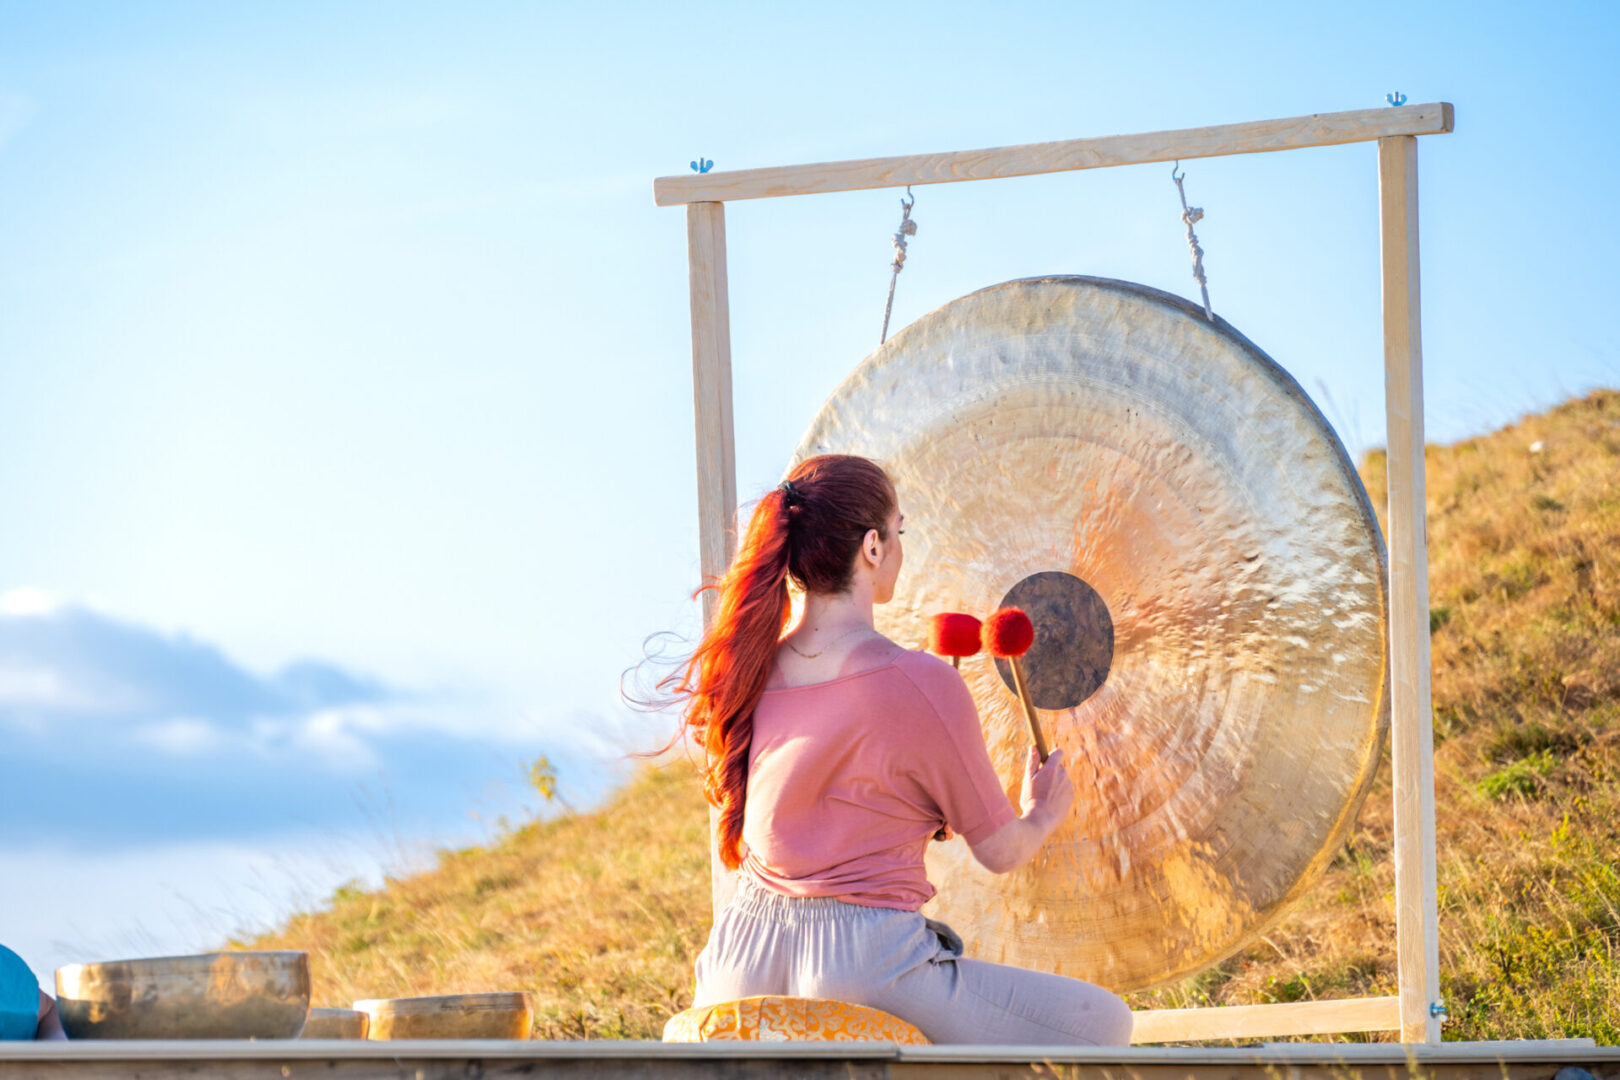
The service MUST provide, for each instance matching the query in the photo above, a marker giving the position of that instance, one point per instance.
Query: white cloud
(182, 735)
(30, 686)
(175, 740)
(331, 734)
(69, 660)
(25, 600)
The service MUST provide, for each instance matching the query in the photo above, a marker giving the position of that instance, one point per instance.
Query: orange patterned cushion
(787, 1019)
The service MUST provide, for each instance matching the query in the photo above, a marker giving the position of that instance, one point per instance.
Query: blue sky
(349, 335)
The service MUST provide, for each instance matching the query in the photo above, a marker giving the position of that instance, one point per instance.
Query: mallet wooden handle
(1029, 707)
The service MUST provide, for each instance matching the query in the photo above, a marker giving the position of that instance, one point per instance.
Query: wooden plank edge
(461, 1049)
(1331, 129)
(1552, 1050)
(1274, 1054)
(1251, 1021)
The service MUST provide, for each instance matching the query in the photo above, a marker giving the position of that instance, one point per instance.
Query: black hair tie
(790, 494)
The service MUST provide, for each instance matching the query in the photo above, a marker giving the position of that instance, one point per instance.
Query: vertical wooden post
(711, 392)
(1412, 721)
(711, 405)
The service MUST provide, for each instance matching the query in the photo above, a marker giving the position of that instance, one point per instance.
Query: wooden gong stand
(1415, 1010)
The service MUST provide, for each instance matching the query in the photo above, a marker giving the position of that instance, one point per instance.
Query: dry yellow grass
(600, 914)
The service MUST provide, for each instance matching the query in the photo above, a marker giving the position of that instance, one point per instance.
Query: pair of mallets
(1007, 635)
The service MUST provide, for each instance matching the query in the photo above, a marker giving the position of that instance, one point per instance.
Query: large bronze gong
(1207, 581)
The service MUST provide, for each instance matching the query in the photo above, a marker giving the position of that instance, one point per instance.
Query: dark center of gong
(1074, 639)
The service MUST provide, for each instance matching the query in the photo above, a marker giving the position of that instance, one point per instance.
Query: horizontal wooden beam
(279, 1050)
(1278, 1057)
(163, 1059)
(1256, 137)
(1257, 1021)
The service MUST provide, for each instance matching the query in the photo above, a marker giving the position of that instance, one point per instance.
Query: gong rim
(977, 387)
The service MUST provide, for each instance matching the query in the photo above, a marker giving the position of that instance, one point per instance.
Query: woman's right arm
(1047, 795)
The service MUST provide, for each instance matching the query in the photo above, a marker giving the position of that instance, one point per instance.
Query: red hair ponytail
(809, 529)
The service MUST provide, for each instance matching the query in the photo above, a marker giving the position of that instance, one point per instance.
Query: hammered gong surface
(1071, 435)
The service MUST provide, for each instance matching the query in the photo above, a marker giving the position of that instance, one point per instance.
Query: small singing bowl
(230, 995)
(451, 1016)
(335, 1024)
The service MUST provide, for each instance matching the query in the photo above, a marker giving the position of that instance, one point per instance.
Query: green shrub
(1524, 777)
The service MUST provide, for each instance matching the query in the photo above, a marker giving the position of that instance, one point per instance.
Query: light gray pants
(897, 961)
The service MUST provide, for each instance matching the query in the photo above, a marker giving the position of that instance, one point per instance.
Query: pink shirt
(848, 779)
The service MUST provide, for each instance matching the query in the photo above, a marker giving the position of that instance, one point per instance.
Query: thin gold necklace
(824, 648)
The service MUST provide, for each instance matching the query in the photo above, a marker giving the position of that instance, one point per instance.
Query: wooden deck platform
(846, 1061)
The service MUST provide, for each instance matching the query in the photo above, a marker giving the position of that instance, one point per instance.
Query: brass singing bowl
(231, 995)
(335, 1024)
(1207, 582)
(450, 1016)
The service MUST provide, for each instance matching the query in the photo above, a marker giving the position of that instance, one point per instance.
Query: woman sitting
(834, 756)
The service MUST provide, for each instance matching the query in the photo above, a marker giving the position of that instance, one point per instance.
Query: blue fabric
(19, 997)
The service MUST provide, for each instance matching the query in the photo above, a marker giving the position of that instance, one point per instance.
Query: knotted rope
(907, 228)
(1190, 215)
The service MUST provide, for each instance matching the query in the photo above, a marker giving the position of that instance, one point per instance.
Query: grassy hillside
(600, 914)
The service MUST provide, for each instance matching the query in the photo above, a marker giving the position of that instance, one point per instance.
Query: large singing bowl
(1207, 581)
(232, 995)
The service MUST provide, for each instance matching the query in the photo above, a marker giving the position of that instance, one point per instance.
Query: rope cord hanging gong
(1189, 216)
(907, 228)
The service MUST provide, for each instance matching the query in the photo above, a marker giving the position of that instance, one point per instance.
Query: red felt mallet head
(1008, 633)
(952, 633)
